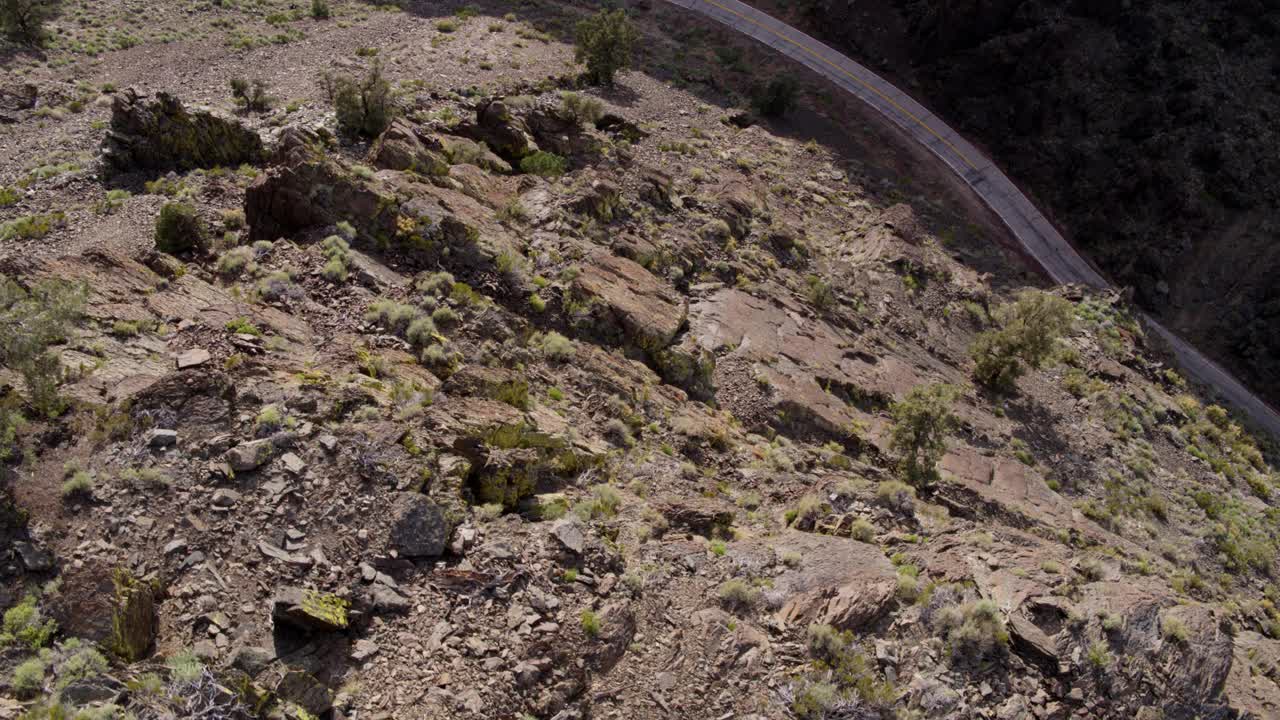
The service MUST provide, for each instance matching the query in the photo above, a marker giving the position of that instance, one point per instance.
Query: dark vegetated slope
(1148, 129)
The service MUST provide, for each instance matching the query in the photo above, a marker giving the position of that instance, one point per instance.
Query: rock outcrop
(160, 134)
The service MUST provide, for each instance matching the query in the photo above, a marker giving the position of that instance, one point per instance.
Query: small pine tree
(604, 43)
(1029, 329)
(23, 20)
(921, 423)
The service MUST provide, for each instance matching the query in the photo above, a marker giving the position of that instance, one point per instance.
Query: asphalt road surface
(1033, 231)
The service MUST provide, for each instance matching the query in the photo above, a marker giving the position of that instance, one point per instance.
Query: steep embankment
(1148, 129)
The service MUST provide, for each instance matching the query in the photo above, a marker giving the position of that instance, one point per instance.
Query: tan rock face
(646, 310)
(839, 581)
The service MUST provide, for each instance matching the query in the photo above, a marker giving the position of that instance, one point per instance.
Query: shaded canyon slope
(1148, 130)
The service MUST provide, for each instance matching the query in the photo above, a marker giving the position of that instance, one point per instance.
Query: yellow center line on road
(855, 78)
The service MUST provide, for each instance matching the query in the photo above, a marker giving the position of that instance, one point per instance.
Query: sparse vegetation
(580, 109)
(31, 321)
(544, 163)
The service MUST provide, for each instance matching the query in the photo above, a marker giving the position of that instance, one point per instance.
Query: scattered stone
(568, 532)
(162, 438)
(310, 609)
(293, 464)
(252, 659)
(224, 498)
(250, 455)
(364, 649)
(34, 559)
(418, 529)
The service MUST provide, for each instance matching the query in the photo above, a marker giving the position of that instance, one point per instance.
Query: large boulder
(839, 581)
(634, 305)
(418, 527)
(504, 132)
(401, 148)
(160, 134)
(310, 609)
(308, 190)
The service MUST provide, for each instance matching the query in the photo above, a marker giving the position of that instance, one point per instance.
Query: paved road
(1028, 225)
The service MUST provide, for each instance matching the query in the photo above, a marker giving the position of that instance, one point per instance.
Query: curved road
(1033, 231)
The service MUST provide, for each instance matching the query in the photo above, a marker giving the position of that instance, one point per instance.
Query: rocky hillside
(1147, 128)
(554, 401)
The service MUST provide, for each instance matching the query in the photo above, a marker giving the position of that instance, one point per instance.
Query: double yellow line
(851, 76)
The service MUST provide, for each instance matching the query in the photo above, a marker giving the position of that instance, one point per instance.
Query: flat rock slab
(648, 311)
(839, 581)
(194, 357)
(309, 609)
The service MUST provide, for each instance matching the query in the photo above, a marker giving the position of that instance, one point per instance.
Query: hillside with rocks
(416, 376)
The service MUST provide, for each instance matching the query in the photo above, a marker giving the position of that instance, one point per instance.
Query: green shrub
(364, 107)
(28, 677)
(184, 667)
(590, 623)
(1099, 655)
(544, 163)
(604, 42)
(580, 109)
(814, 701)
(555, 346)
(335, 271)
(921, 423)
(78, 485)
(603, 503)
(32, 320)
(23, 20)
(1029, 328)
(862, 530)
(974, 632)
(736, 594)
(24, 625)
(242, 326)
(235, 262)
(1173, 629)
(180, 229)
(896, 495)
(251, 96)
(320, 9)
(819, 292)
(30, 227)
(806, 512)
